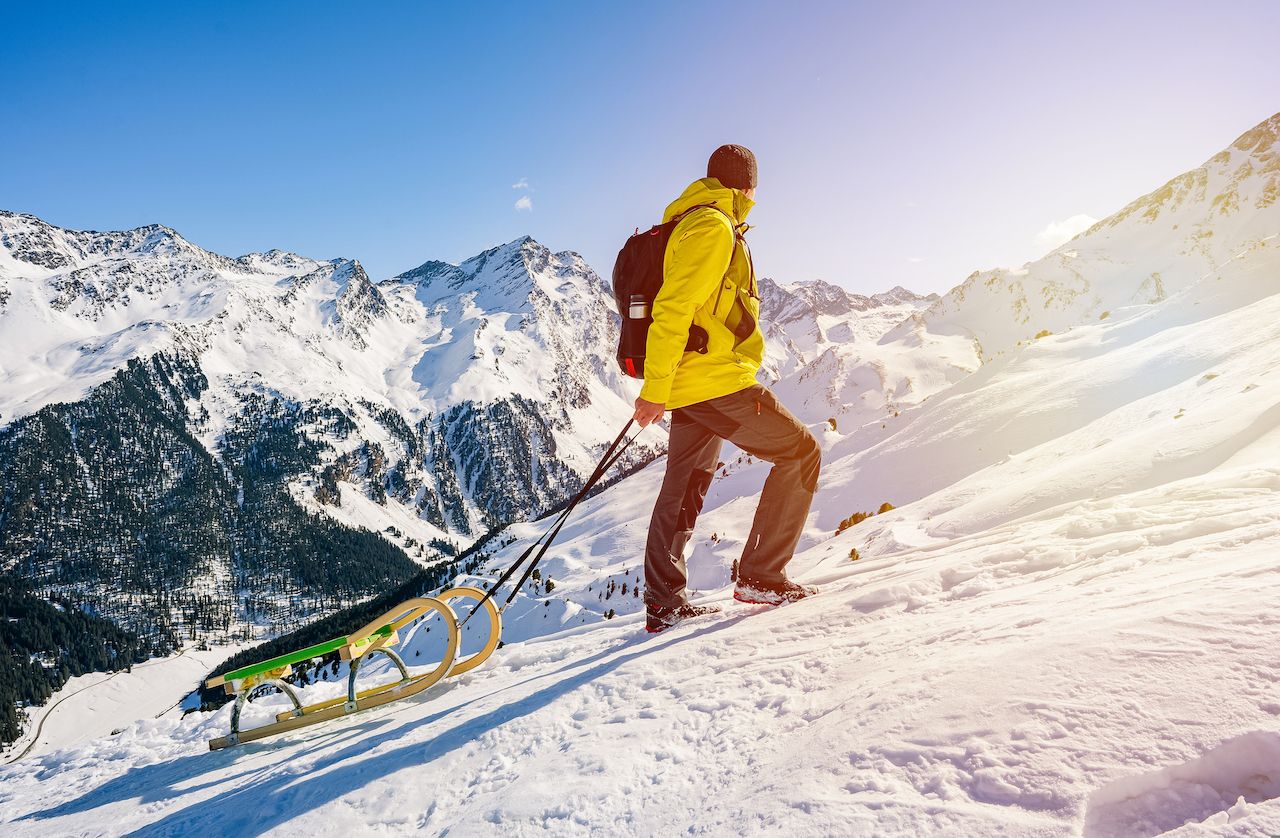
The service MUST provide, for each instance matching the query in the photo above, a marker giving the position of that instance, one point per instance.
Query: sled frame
(377, 637)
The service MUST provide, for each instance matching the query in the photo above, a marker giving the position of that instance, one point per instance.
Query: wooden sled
(376, 638)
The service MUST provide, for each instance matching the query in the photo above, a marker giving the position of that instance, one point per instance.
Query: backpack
(637, 278)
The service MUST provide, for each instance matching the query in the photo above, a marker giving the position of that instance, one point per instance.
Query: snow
(1067, 625)
(1158, 245)
(357, 510)
(1216, 789)
(1031, 679)
(1100, 659)
(93, 705)
(826, 356)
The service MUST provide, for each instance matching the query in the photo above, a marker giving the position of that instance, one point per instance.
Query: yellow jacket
(707, 280)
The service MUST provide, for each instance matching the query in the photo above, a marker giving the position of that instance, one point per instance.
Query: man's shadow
(276, 797)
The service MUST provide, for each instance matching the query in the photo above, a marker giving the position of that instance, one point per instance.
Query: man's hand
(648, 412)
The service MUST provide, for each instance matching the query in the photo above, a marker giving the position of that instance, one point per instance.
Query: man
(709, 282)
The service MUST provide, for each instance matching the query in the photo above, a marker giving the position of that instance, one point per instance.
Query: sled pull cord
(611, 455)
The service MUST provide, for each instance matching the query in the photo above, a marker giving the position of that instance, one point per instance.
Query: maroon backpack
(637, 278)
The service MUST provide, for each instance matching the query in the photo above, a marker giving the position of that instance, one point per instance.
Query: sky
(901, 143)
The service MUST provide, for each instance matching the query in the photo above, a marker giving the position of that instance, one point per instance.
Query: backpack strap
(680, 216)
(733, 227)
(737, 234)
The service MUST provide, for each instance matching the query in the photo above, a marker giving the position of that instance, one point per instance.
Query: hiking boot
(775, 593)
(664, 618)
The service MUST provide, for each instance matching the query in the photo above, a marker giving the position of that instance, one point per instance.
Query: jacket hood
(708, 190)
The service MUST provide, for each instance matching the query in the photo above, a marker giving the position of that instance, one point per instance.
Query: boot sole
(780, 601)
(740, 598)
(651, 630)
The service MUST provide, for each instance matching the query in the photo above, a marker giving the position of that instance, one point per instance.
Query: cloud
(915, 260)
(524, 203)
(1059, 233)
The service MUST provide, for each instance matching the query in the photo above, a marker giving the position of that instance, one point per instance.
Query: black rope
(611, 455)
(564, 517)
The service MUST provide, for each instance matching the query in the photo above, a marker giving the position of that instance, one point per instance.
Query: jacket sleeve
(696, 263)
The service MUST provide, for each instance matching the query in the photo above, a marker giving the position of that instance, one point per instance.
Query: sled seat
(248, 677)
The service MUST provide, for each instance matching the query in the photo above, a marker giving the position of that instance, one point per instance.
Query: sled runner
(381, 635)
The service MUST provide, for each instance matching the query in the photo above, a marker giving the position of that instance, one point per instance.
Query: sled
(376, 638)
(379, 636)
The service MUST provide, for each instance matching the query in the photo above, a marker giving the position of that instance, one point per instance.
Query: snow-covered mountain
(197, 416)
(429, 343)
(826, 359)
(1198, 225)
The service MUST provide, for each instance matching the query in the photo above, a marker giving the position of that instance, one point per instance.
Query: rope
(611, 455)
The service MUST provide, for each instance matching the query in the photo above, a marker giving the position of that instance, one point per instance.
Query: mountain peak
(898, 294)
(360, 301)
(37, 242)
(817, 296)
(276, 261)
(21, 216)
(525, 255)
(155, 238)
(515, 249)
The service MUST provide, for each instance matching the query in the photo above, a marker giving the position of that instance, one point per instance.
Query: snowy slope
(825, 357)
(1108, 668)
(98, 704)
(1066, 627)
(1150, 250)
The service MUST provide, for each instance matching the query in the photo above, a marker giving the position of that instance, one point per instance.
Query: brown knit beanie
(734, 166)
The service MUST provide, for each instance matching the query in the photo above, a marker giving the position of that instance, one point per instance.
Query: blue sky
(899, 143)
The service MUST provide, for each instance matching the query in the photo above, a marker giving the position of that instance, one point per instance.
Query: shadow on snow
(274, 797)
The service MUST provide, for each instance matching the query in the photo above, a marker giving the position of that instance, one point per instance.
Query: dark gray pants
(753, 420)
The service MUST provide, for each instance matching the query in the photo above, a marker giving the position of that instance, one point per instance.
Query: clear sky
(898, 143)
